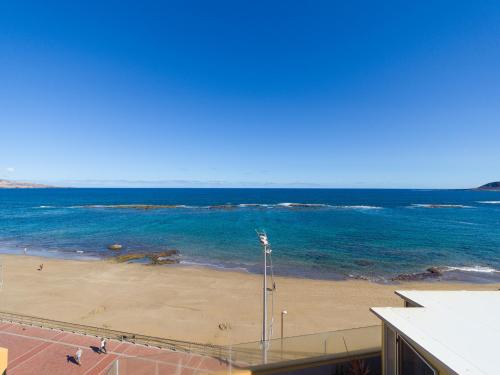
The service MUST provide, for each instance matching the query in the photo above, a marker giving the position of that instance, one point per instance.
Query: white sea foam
(481, 269)
(466, 223)
(344, 207)
(359, 207)
(294, 205)
(489, 202)
(243, 205)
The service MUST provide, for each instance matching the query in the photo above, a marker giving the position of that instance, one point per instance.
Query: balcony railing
(341, 347)
(341, 343)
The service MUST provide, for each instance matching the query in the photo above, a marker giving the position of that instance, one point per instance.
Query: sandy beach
(190, 303)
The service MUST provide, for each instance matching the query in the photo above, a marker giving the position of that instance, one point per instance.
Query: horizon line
(218, 184)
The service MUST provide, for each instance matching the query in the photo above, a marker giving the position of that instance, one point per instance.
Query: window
(410, 362)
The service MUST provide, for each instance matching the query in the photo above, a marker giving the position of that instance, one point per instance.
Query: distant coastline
(8, 184)
(490, 186)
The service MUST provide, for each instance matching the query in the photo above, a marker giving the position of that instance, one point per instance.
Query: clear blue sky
(335, 93)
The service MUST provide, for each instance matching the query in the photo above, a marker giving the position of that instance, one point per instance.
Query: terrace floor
(34, 350)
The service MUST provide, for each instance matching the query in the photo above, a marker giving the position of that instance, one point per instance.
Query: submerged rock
(134, 206)
(363, 262)
(223, 207)
(318, 256)
(165, 257)
(115, 247)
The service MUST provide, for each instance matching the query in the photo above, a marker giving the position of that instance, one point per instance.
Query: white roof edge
(401, 293)
(455, 365)
(434, 298)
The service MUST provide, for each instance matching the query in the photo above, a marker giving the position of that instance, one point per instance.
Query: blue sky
(250, 93)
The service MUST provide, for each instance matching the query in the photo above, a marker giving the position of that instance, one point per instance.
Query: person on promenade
(103, 346)
(78, 356)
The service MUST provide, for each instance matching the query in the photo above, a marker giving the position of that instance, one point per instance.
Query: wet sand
(189, 303)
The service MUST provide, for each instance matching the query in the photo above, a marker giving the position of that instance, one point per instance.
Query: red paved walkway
(40, 351)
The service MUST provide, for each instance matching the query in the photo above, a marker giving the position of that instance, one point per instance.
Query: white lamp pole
(283, 313)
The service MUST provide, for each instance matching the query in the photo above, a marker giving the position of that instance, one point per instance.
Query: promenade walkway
(34, 350)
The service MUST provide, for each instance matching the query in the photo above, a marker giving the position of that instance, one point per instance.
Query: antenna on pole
(264, 241)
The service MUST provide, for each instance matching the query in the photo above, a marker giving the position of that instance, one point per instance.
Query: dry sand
(189, 303)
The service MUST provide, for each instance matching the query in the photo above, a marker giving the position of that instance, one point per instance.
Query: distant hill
(495, 186)
(7, 184)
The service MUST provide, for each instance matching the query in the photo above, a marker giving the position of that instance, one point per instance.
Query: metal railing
(159, 342)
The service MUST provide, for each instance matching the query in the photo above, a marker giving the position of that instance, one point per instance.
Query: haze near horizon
(327, 94)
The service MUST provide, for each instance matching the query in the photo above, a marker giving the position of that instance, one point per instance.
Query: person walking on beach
(78, 356)
(103, 346)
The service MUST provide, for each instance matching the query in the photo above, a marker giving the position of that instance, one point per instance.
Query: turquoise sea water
(331, 233)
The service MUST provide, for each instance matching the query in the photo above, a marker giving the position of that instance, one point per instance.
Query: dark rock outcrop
(155, 258)
(223, 207)
(430, 273)
(493, 186)
(434, 271)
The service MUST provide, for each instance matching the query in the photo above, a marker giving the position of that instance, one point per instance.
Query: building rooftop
(461, 329)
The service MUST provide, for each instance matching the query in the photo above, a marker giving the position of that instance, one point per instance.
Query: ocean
(376, 234)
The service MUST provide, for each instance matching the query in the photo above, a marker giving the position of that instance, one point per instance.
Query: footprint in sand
(94, 312)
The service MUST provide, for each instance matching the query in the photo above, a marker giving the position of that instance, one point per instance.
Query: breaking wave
(359, 207)
(295, 205)
(243, 205)
(480, 269)
(319, 205)
(432, 205)
(489, 202)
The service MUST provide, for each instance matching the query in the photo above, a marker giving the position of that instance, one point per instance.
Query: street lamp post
(283, 313)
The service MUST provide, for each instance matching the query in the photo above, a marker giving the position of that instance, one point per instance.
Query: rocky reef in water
(430, 273)
(154, 258)
(134, 206)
